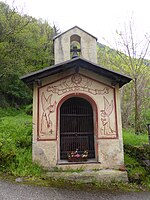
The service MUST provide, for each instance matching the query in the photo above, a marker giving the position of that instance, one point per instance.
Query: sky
(100, 18)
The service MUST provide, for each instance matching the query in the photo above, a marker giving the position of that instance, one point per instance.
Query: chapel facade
(76, 107)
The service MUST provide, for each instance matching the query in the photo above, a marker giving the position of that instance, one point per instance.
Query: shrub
(16, 143)
(28, 109)
(23, 165)
(136, 173)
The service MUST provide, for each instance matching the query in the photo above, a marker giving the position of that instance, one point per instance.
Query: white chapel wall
(108, 129)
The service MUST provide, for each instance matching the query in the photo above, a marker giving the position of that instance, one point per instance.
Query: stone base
(90, 175)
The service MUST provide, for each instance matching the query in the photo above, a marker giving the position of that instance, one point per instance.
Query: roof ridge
(71, 29)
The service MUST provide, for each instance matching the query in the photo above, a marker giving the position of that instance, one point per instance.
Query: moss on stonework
(137, 161)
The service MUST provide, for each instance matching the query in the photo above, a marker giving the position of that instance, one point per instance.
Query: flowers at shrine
(75, 156)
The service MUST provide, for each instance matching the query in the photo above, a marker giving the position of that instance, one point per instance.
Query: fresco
(50, 94)
(45, 123)
(106, 127)
(76, 82)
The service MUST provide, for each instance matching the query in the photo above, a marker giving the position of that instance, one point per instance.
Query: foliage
(137, 151)
(23, 165)
(8, 112)
(28, 109)
(129, 138)
(139, 87)
(15, 144)
(136, 172)
(26, 45)
(129, 58)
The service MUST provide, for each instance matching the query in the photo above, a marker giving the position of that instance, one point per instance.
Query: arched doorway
(76, 127)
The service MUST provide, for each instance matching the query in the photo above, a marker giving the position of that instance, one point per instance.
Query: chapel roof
(77, 63)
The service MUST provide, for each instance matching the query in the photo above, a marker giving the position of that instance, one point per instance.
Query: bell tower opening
(75, 46)
(75, 43)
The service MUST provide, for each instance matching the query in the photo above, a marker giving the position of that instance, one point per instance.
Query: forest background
(26, 45)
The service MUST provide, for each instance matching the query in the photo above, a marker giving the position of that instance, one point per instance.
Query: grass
(9, 112)
(16, 144)
(130, 138)
(136, 172)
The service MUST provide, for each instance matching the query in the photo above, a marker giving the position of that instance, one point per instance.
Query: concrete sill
(89, 161)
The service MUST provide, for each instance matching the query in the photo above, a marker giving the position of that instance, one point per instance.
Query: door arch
(76, 127)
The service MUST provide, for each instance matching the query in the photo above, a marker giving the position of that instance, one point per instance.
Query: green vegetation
(26, 45)
(128, 57)
(136, 173)
(15, 144)
(130, 138)
(16, 155)
(136, 151)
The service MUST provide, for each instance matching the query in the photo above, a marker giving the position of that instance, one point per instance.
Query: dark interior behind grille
(76, 127)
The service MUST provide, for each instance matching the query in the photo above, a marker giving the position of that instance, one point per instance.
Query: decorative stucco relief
(45, 122)
(106, 130)
(76, 82)
(102, 94)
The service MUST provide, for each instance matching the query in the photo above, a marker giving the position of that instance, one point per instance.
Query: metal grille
(76, 127)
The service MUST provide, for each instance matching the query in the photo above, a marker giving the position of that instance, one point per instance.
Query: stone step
(88, 176)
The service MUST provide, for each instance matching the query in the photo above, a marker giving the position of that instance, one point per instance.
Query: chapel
(76, 107)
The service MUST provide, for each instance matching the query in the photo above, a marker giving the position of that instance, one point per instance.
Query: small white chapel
(76, 107)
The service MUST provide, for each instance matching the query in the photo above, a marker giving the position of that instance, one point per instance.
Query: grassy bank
(16, 143)
(129, 138)
(16, 158)
(136, 150)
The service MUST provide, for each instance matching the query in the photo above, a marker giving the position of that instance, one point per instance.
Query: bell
(75, 51)
(75, 54)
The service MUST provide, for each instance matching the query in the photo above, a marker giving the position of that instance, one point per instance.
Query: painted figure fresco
(105, 117)
(48, 108)
(76, 83)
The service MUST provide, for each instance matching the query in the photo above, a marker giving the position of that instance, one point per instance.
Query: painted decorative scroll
(76, 82)
(106, 130)
(46, 125)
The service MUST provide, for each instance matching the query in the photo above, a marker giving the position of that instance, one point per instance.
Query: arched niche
(75, 42)
(76, 127)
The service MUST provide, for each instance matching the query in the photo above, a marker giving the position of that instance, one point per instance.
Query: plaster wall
(62, 46)
(105, 101)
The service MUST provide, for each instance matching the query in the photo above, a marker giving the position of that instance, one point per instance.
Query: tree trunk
(137, 131)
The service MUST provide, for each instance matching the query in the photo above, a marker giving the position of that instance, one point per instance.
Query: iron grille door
(76, 127)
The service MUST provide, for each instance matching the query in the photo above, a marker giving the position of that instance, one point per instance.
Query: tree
(130, 58)
(26, 45)
(10, 25)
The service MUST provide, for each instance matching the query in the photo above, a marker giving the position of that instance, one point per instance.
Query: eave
(76, 63)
